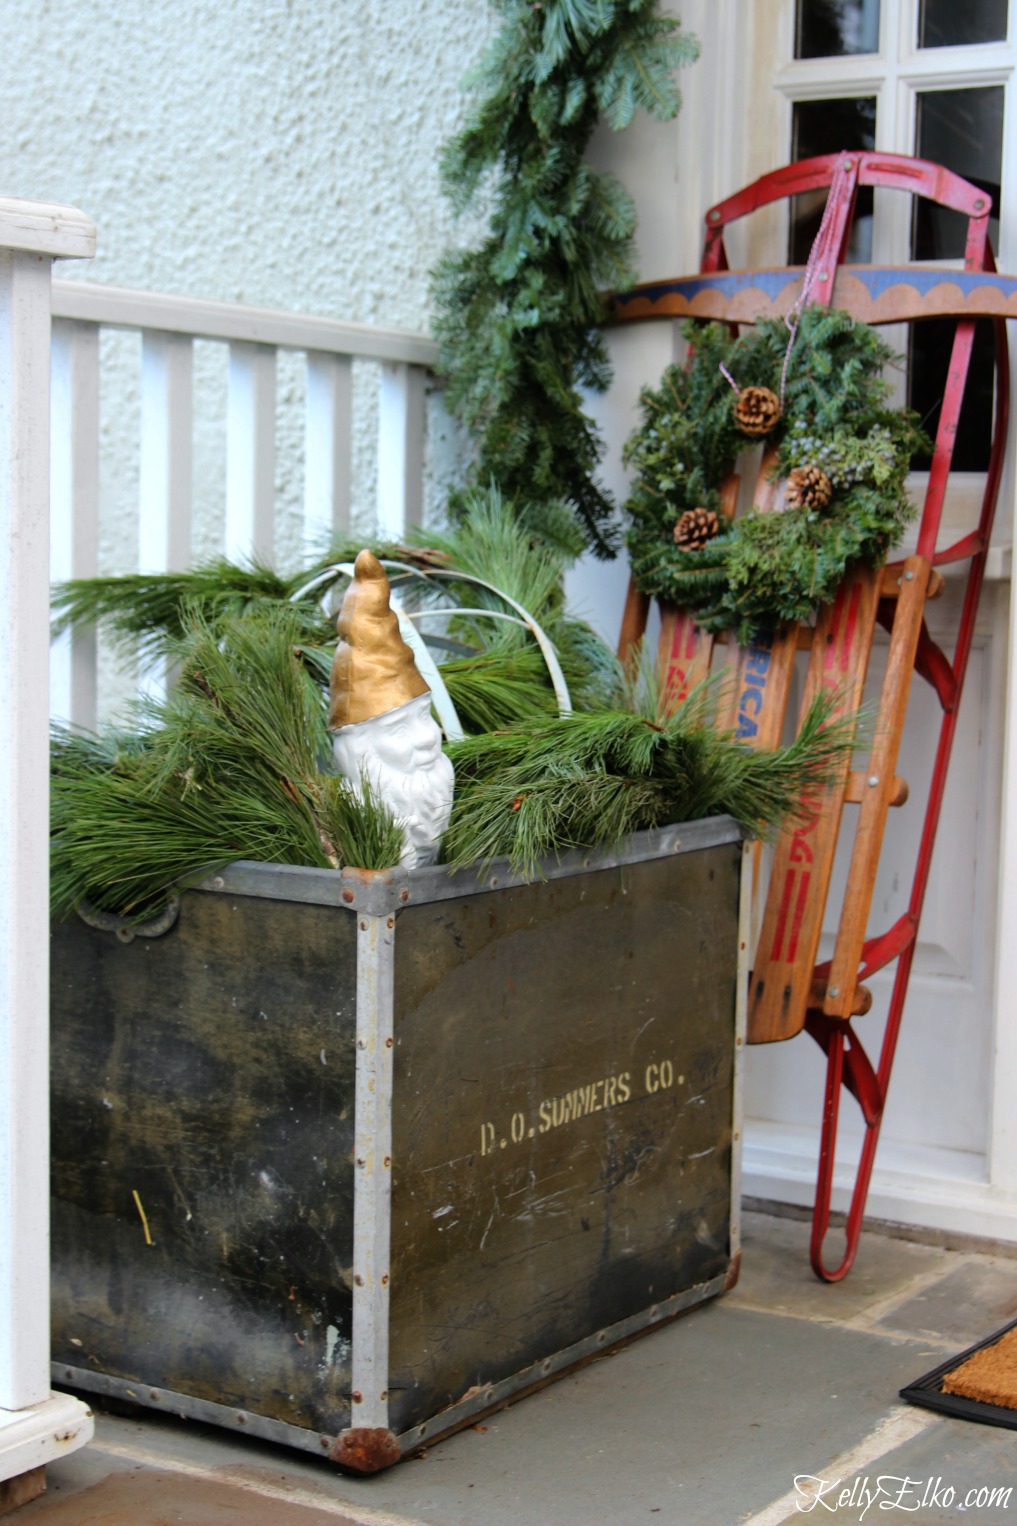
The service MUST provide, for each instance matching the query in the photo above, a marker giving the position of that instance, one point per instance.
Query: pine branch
(492, 543)
(587, 781)
(231, 766)
(148, 608)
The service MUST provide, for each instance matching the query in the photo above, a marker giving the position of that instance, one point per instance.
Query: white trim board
(928, 1189)
(43, 1433)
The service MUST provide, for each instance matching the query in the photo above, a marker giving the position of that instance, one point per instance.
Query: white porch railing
(36, 1426)
(168, 327)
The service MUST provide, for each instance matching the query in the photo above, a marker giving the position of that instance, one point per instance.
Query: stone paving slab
(776, 1273)
(954, 1471)
(705, 1422)
(158, 1498)
(970, 1302)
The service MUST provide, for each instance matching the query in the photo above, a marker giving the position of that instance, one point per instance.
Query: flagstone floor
(709, 1420)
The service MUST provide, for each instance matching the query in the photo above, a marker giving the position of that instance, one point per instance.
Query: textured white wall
(278, 152)
(282, 153)
(285, 153)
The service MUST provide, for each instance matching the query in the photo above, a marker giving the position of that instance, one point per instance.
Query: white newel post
(36, 1426)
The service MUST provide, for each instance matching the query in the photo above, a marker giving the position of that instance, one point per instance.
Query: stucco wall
(278, 152)
(284, 153)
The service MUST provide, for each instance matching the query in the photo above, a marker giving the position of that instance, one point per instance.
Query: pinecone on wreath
(695, 528)
(808, 488)
(756, 411)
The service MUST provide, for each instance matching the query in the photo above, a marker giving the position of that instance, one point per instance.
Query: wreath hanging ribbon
(840, 452)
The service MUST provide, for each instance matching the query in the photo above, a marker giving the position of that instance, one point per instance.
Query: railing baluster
(250, 453)
(74, 513)
(328, 449)
(400, 448)
(164, 532)
(166, 488)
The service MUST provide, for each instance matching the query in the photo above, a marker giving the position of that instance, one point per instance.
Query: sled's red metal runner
(789, 990)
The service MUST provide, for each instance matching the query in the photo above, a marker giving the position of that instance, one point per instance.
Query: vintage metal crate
(347, 1159)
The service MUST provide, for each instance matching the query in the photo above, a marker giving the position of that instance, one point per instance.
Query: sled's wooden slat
(803, 858)
(907, 625)
(757, 692)
(683, 655)
(634, 618)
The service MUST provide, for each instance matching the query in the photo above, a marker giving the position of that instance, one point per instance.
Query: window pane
(928, 358)
(948, 23)
(830, 28)
(963, 130)
(830, 127)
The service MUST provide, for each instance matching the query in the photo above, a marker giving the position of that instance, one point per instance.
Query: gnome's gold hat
(373, 670)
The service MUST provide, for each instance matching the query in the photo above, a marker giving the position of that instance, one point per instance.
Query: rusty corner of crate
(366, 1449)
(733, 1272)
(374, 891)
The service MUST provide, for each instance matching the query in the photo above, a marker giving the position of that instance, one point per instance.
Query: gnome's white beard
(400, 756)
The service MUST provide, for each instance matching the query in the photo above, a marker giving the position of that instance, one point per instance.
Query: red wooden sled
(789, 989)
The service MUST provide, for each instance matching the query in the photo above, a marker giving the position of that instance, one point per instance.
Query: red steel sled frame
(790, 990)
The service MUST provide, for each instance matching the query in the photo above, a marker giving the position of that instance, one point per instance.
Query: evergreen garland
(765, 568)
(518, 317)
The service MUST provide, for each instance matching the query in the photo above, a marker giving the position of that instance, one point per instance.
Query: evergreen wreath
(518, 317)
(844, 455)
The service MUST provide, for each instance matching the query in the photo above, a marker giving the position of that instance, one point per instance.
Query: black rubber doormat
(979, 1384)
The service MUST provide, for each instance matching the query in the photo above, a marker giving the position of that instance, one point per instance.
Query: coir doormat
(980, 1384)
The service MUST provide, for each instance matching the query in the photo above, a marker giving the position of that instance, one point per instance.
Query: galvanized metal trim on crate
(372, 1193)
(381, 891)
(191, 1408)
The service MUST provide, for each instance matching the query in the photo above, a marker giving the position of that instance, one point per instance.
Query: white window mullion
(1006, 254)
(895, 130)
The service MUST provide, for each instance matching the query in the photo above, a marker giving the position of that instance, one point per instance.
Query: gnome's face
(400, 754)
(380, 712)
(405, 739)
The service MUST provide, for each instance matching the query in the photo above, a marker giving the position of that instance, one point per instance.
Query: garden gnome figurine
(380, 712)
